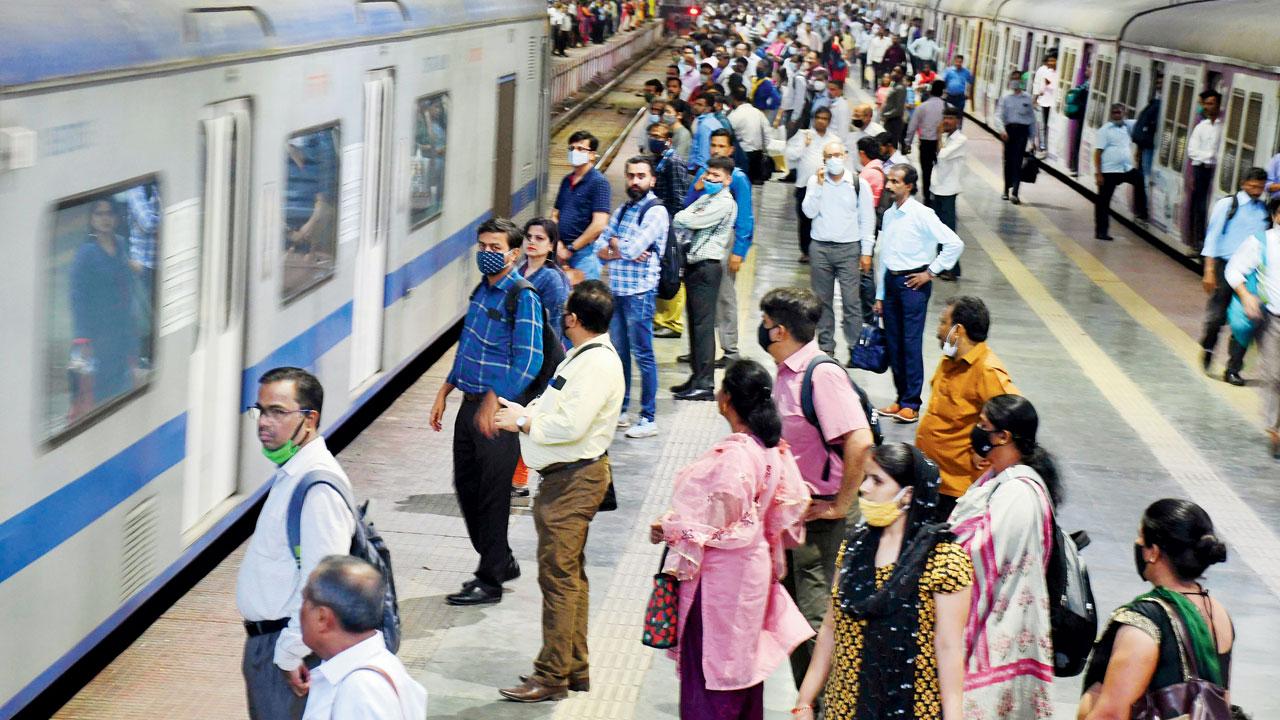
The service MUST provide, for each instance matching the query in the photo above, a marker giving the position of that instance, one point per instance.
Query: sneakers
(644, 429)
(624, 421)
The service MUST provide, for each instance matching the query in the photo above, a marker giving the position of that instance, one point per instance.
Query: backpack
(811, 412)
(886, 199)
(366, 544)
(671, 264)
(1144, 129)
(1075, 101)
(552, 350)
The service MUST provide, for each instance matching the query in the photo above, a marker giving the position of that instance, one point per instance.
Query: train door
(217, 361)
(1250, 105)
(1098, 109)
(371, 250)
(1169, 177)
(504, 146)
(1059, 137)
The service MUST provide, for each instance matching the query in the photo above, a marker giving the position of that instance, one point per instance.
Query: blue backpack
(1243, 327)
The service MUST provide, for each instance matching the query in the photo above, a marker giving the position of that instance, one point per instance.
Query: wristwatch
(521, 422)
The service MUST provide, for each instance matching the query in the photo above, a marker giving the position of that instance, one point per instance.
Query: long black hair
(1017, 416)
(1184, 532)
(750, 391)
(907, 466)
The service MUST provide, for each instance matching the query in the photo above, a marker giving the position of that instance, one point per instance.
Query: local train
(1133, 52)
(190, 195)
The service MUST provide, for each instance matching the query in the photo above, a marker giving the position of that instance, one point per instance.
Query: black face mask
(1139, 562)
(762, 336)
(859, 123)
(980, 440)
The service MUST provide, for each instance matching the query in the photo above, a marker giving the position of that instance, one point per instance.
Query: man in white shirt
(875, 54)
(565, 435)
(804, 153)
(841, 110)
(751, 128)
(277, 662)
(864, 125)
(948, 175)
(359, 679)
(924, 50)
(1044, 90)
(1202, 151)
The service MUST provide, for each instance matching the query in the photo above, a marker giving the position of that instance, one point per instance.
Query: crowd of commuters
(578, 23)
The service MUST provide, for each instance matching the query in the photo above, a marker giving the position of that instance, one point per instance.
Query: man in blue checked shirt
(631, 246)
(498, 356)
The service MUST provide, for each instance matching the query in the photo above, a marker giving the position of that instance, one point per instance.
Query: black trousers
(562, 41)
(928, 158)
(755, 167)
(1198, 215)
(1215, 316)
(702, 286)
(804, 226)
(945, 207)
(896, 127)
(482, 469)
(1015, 149)
(1102, 205)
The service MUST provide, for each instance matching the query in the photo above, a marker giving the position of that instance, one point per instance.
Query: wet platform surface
(1100, 336)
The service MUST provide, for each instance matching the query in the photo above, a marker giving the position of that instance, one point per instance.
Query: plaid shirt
(629, 275)
(497, 353)
(672, 177)
(144, 222)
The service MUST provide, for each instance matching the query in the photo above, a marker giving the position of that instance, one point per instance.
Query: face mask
(657, 147)
(1139, 562)
(980, 441)
(881, 514)
(817, 85)
(669, 119)
(948, 347)
(835, 166)
(648, 98)
(636, 193)
(578, 158)
(762, 336)
(491, 262)
(652, 118)
(712, 187)
(859, 123)
(285, 452)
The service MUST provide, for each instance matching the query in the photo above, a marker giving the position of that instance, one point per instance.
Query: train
(1133, 52)
(192, 194)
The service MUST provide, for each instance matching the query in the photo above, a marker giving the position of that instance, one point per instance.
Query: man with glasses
(276, 662)
(582, 206)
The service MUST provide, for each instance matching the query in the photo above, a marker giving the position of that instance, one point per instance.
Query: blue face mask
(491, 262)
(712, 187)
(653, 118)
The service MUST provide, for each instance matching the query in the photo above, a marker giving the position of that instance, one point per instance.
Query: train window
(1099, 91)
(1177, 122)
(100, 322)
(1239, 148)
(1130, 81)
(310, 209)
(989, 54)
(431, 126)
(1066, 74)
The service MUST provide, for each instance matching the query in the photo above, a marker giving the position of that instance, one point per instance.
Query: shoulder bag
(1192, 699)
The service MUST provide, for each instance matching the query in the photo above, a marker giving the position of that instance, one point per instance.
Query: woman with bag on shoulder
(1159, 650)
(892, 642)
(734, 512)
(1005, 523)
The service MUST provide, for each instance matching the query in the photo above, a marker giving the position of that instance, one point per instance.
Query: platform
(1098, 335)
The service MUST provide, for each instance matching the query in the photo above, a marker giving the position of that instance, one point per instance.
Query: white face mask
(578, 158)
(949, 347)
(835, 166)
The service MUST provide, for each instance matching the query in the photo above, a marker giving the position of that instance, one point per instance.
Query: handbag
(662, 613)
(1193, 699)
(870, 353)
(1030, 169)
(1243, 327)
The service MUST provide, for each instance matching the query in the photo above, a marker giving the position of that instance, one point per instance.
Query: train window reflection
(431, 126)
(101, 308)
(310, 210)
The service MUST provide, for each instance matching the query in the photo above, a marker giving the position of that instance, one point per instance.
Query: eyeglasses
(274, 414)
(583, 148)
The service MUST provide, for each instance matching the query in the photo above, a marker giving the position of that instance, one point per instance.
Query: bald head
(835, 148)
(351, 588)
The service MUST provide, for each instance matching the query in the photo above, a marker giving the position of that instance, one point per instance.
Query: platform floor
(1098, 335)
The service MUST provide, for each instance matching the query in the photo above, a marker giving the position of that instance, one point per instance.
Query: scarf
(1202, 642)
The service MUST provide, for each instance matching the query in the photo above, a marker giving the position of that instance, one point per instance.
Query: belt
(256, 628)
(900, 273)
(702, 262)
(570, 466)
(473, 397)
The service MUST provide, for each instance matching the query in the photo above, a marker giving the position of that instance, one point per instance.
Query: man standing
(710, 219)
(875, 53)
(949, 175)
(498, 356)
(841, 110)
(830, 454)
(751, 128)
(582, 205)
(704, 124)
(889, 150)
(909, 261)
(1144, 132)
(1015, 120)
(671, 185)
(924, 51)
(359, 678)
(277, 663)
(925, 122)
(565, 434)
(1202, 151)
(968, 375)
(894, 111)
(804, 153)
(959, 84)
(1113, 166)
(1044, 89)
(1234, 220)
(842, 208)
(863, 125)
(631, 247)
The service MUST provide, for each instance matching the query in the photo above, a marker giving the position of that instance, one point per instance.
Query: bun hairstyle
(1184, 533)
(1016, 415)
(750, 391)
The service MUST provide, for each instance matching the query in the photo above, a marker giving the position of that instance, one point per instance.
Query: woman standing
(541, 240)
(734, 511)
(1004, 522)
(892, 643)
(102, 309)
(1139, 650)
(1261, 254)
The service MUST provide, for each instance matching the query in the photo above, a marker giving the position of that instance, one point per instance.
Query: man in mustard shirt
(968, 375)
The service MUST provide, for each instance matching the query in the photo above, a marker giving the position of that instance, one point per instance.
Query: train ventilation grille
(531, 67)
(138, 563)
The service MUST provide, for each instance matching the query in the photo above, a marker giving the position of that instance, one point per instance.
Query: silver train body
(1134, 51)
(189, 196)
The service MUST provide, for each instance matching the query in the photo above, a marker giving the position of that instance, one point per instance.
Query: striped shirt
(710, 219)
(629, 275)
(496, 352)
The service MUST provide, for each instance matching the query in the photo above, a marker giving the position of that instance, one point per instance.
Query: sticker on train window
(431, 127)
(310, 210)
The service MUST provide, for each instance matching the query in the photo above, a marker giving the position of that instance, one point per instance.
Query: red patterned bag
(662, 613)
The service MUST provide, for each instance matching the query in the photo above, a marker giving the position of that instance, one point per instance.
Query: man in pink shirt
(830, 455)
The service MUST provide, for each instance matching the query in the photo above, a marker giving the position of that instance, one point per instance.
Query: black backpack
(811, 412)
(552, 350)
(366, 544)
(671, 264)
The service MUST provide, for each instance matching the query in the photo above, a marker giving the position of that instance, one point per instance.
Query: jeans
(702, 284)
(804, 226)
(1102, 206)
(587, 261)
(831, 263)
(957, 101)
(904, 318)
(631, 331)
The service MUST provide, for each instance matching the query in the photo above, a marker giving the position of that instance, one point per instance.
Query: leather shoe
(1231, 377)
(1103, 237)
(474, 595)
(1015, 199)
(665, 332)
(686, 358)
(574, 685)
(682, 387)
(723, 361)
(509, 573)
(532, 691)
(1206, 358)
(696, 394)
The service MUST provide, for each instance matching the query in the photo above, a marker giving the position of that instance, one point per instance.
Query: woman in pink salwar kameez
(734, 511)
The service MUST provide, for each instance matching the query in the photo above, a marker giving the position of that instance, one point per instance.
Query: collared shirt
(797, 85)
(1016, 109)
(841, 115)
(897, 158)
(553, 290)
(577, 420)
(924, 48)
(671, 181)
(1202, 147)
(949, 168)
(144, 224)
(342, 688)
(700, 150)
(839, 413)
(1045, 86)
(1248, 259)
(1223, 238)
(629, 275)
(1113, 141)
(576, 202)
(744, 223)
(926, 118)
(750, 127)
(710, 219)
(496, 352)
(690, 80)
(875, 51)
(874, 176)
(269, 585)
(807, 158)
(957, 80)
(909, 238)
(957, 393)
(1273, 172)
(841, 212)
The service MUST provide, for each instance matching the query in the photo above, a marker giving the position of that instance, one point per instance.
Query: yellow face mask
(880, 514)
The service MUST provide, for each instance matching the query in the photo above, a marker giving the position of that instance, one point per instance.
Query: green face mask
(285, 452)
